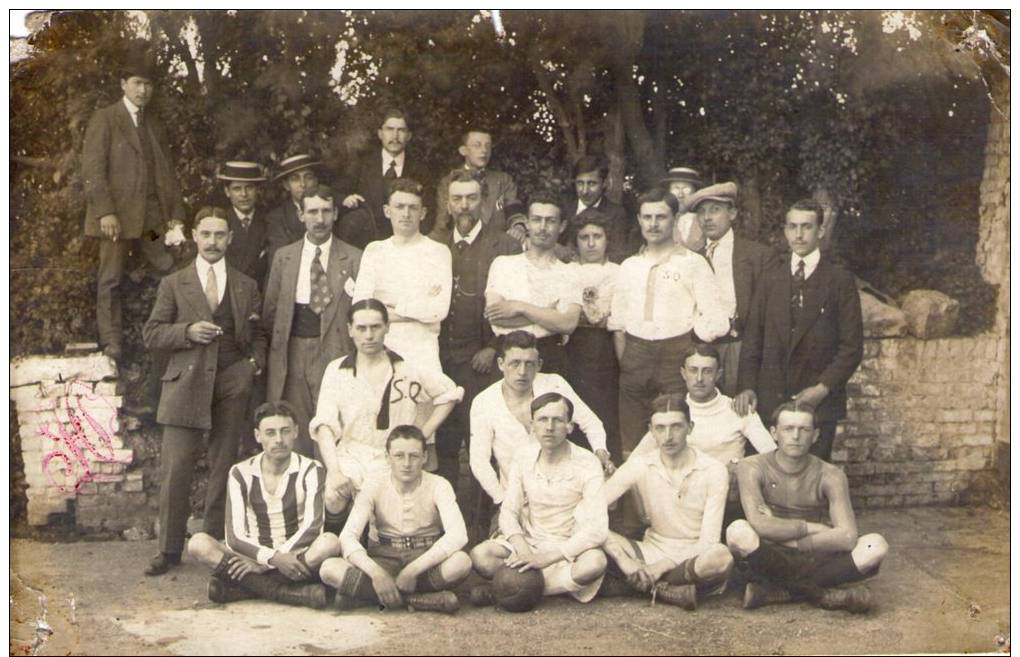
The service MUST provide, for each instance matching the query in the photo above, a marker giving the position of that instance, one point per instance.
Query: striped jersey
(259, 524)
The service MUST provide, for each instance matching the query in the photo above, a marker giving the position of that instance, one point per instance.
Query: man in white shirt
(738, 264)
(501, 414)
(685, 495)
(716, 429)
(664, 296)
(553, 518)
(417, 555)
(411, 274)
(535, 291)
(307, 298)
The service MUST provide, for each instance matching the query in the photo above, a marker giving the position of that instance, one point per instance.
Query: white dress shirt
(399, 160)
(495, 431)
(470, 237)
(132, 110)
(220, 267)
(516, 278)
(658, 299)
(722, 267)
(303, 294)
(810, 263)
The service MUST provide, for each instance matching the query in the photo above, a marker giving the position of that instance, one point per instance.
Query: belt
(551, 339)
(408, 542)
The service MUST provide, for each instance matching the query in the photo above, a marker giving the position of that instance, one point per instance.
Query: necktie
(140, 117)
(212, 293)
(462, 246)
(798, 286)
(482, 182)
(245, 221)
(320, 296)
(392, 171)
(709, 252)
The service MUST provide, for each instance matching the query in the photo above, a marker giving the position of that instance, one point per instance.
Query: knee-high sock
(836, 569)
(432, 581)
(685, 574)
(358, 585)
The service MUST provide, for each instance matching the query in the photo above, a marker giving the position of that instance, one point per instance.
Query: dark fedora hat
(137, 60)
(240, 171)
(296, 163)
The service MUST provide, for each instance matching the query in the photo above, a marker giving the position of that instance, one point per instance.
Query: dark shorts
(393, 559)
(792, 565)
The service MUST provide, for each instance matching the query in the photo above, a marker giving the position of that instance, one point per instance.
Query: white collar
(220, 267)
(387, 158)
(581, 207)
(309, 248)
(470, 237)
(132, 110)
(241, 215)
(726, 241)
(810, 262)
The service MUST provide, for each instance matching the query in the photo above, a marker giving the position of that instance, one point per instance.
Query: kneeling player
(684, 491)
(417, 558)
(791, 552)
(274, 538)
(552, 517)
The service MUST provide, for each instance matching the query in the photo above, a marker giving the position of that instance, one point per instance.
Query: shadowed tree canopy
(888, 130)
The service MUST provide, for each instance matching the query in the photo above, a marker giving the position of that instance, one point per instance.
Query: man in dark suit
(590, 181)
(207, 316)
(131, 193)
(738, 265)
(804, 337)
(305, 311)
(467, 346)
(500, 204)
(247, 252)
(299, 177)
(365, 195)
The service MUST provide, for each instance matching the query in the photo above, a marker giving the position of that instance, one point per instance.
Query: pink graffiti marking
(74, 440)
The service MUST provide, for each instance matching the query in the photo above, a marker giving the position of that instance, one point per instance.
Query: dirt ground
(944, 588)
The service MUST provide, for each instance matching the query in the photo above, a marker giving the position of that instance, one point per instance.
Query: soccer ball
(516, 591)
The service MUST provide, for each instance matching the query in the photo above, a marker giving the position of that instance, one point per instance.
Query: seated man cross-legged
(274, 538)
(417, 558)
(792, 553)
(684, 494)
(552, 518)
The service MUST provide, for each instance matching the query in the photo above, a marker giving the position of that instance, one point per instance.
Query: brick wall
(921, 428)
(922, 419)
(77, 469)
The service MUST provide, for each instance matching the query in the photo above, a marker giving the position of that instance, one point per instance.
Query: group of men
(380, 350)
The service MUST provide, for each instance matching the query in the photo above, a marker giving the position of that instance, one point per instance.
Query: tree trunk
(615, 143)
(629, 30)
(750, 217)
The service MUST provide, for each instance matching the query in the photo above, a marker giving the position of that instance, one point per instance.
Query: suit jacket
(490, 243)
(113, 172)
(620, 246)
(499, 201)
(751, 261)
(367, 223)
(778, 360)
(248, 251)
(187, 395)
(278, 309)
(283, 227)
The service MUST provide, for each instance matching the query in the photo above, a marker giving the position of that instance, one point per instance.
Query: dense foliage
(787, 103)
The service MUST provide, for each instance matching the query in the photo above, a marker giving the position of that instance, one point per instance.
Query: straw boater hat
(725, 192)
(684, 174)
(295, 163)
(240, 172)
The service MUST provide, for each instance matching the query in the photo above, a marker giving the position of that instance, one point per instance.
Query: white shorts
(358, 462)
(557, 576)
